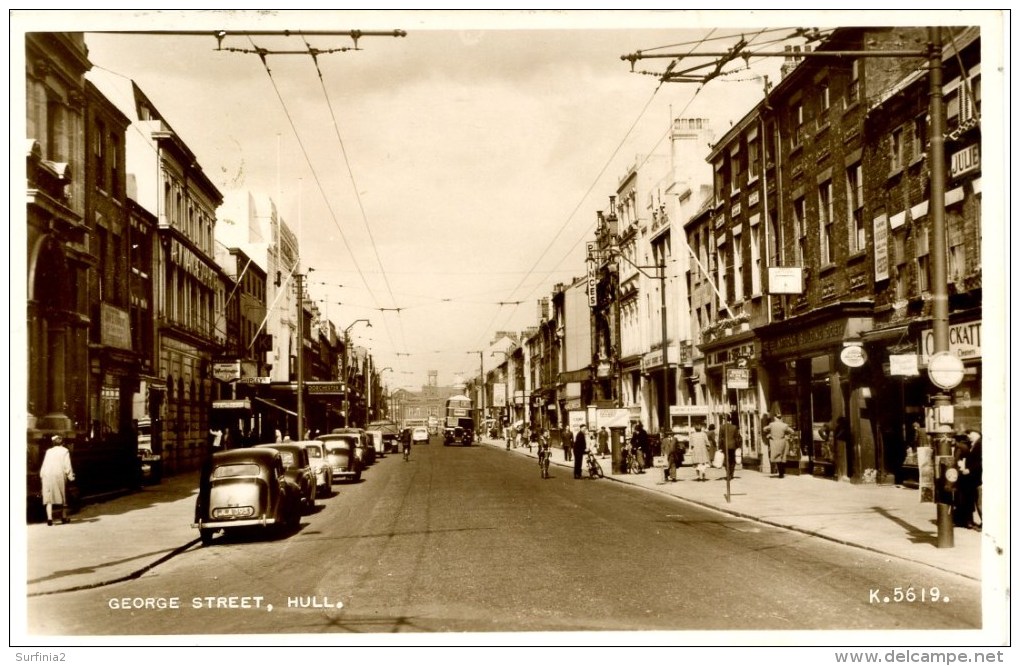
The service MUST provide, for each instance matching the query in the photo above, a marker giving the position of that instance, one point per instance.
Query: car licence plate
(233, 512)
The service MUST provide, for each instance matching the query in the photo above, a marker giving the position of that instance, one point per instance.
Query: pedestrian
(966, 511)
(669, 453)
(54, 473)
(603, 442)
(568, 443)
(580, 446)
(699, 448)
(730, 441)
(778, 431)
(920, 436)
(639, 445)
(713, 442)
(975, 475)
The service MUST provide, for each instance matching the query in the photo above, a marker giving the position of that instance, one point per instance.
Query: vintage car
(420, 435)
(245, 488)
(341, 453)
(298, 470)
(458, 435)
(320, 467)
(364, 451)
(375, 438)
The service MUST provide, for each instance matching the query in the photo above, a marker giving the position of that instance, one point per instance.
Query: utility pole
(945, 377)
(299, 281)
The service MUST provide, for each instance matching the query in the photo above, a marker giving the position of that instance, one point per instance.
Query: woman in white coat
(55, 473)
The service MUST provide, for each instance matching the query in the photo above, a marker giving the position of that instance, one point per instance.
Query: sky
(447, 179)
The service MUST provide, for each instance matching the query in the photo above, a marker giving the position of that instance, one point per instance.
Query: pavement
(114, 539)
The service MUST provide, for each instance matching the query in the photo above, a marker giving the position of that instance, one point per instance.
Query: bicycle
(634, 464)
(407, 452)
(544, 458)
(594, 468)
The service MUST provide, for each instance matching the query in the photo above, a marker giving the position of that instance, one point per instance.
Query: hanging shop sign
(738, 378)
(227, 372)
(786, 280)
(904, 365)
(853, 356)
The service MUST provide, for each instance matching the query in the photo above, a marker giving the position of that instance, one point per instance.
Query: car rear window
(342, 447)
(235, 470)
(314, 452)
(288, 458)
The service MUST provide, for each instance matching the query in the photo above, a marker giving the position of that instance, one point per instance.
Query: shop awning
(273, 404)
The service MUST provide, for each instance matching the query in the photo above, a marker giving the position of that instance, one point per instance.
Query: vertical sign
(592, 275)
(881, 236)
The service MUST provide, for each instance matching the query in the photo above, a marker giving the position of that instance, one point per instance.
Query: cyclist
(405, 443)
(544, 454)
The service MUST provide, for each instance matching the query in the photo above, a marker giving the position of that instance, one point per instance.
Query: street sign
(738, 378)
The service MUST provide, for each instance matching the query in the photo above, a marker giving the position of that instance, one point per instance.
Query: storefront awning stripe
(273, 404)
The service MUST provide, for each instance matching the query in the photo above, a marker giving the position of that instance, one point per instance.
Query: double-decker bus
(460, 427)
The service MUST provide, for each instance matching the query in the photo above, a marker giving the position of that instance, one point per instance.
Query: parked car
(298, 469)
(420, 435)
(389, 431)
(375, 438)
(341, 454)
(320, 467)
(245, 488)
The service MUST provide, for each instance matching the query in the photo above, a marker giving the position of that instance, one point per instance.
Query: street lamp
(347, 383)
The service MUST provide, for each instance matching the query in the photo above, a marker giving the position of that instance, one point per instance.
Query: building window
(896, 150)
(734, 170)
(99, 155)
(797, 119)
(800, 232)
(824, 103)
(855, 207)
(900, 260)
(963, 98)
(719, 181)
(723, 284)
(923, 265)
(957, 249)
(115, 165)
(54, 130)
(755, 261)
(825, 223)
(919, 143)
(853, 88)
(753, 158)
(738, 270)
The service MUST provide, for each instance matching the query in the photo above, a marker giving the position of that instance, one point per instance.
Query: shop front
(901, 353)
(819, 379)
(733, 383)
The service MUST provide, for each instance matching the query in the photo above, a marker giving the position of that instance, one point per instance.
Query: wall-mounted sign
(965, 161)
(880, 225)
(786, 280)
(115, 326)
(964, 341)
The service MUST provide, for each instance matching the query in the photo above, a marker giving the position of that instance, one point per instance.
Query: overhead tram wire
(357, 195)
(648, 154)
(592, 187)
(329, 206)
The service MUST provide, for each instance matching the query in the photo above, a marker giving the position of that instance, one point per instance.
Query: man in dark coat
(641, 443)
(568, 443)
(580, 444)
(730, 440)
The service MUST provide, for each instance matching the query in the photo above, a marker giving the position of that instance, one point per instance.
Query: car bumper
(228, 524)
